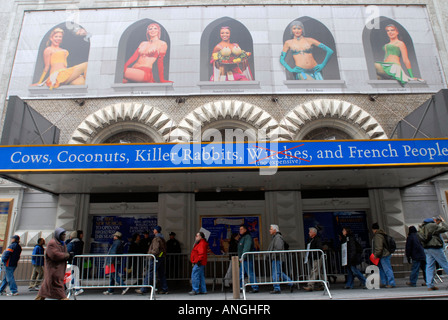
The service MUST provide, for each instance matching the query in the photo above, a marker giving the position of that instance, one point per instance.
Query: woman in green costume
(391, 66)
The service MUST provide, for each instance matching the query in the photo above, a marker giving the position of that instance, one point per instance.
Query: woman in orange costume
(55, 61)
(147, 53)
(232, 71)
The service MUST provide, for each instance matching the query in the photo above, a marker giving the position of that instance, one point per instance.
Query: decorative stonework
(129, 116)
(248, 114)
(344, 111)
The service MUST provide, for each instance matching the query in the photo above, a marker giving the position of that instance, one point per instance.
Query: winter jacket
(246, 244)
(37, 258)
(11, 255)
(277, 244)
(158, 246)
(199, 252)
(430, 234)
(353, 257)
(379, 244)
(414, 248)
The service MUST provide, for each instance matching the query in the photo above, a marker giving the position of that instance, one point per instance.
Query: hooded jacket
(56, 257)
(430, 232)
(11, 255)
(379, 244)
(414, 249)
(246, 244)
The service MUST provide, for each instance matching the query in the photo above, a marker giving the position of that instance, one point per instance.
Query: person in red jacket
(198, 258)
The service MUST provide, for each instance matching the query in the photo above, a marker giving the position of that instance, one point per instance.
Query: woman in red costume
(55, 61)
(147, 53)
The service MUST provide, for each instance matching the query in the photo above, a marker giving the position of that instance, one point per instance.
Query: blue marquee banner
(248, 155)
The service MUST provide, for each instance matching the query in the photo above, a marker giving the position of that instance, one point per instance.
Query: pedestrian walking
(354, 258)
(246, 244)
(37, 261)
(56, 257)
(75, 246)
(415, 254)
(278, 244)
(381, 251)
(158, 249)
(113, 265)
(314, 260)
(430, 237)
(198, 258)
(10, 259)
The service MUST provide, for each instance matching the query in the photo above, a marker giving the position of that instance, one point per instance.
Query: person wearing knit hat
(114, 265)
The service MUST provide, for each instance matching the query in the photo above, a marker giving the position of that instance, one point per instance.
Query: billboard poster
(104, 227)
(215, 50)
(330, 225)
(224, 231)
(5, 214)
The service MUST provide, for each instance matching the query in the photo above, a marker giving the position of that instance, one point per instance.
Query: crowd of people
(424, 251)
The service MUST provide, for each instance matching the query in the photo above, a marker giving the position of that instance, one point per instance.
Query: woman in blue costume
(306, 67)
(391, 68)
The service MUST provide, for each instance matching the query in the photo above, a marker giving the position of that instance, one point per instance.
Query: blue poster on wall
(104, 227)
(224, 232)
(330, 224)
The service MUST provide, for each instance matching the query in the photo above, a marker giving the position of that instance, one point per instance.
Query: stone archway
(236, 113)
(100, 125)
(345, 116)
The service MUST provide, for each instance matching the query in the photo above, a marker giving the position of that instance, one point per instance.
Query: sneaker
(12, 294)
(163, 292)
(107, 293)
(78, 292)
(192, 293)
(125, 290)
(275, 292)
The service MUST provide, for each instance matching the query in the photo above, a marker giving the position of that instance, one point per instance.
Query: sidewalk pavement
(401, 291)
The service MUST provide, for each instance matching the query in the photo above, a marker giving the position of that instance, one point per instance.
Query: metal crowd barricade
(123, 271)
(24, 268)
(284, 267)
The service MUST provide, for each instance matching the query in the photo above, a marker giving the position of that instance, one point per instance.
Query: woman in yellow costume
(55, 61)
(147, 53)
(391, 66)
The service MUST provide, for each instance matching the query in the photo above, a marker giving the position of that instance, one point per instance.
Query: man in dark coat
(55, 265)
(415, 255)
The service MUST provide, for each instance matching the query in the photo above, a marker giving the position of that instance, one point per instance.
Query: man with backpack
(381, 249)
(429, 235)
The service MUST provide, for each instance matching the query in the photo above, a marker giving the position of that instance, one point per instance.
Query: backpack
(391, 246)
(285, 245)
(358, 247)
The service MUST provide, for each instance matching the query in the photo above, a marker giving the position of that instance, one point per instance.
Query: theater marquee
(226, 50)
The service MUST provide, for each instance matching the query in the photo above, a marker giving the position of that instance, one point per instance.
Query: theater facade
(195, 114)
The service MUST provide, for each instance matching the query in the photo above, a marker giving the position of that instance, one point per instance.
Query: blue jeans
(9, 279)
(386, 272)
(353, 272)
(433, 255)
(415, 268)
(115, 277)
(160, 272)
(277, 273)
(198, 279)
(249, 270)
